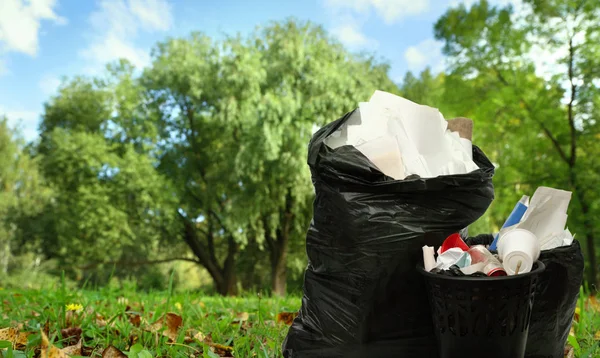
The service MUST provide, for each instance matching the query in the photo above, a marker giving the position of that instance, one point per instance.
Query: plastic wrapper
(362, 294)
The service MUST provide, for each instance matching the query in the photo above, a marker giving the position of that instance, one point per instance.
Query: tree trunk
(226, 286)
(223, 277)
(279, 266)
(278, 246)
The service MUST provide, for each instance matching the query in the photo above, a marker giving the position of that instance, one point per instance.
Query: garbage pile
(530, 228)
(389, 177)
(394, 181)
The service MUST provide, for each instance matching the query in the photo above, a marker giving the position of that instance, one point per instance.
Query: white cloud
(153, 14)
(25, 121)
(351, 36)
(426, 53)
(117, 24)
(390, 10)
(20, 24)
(49, 84)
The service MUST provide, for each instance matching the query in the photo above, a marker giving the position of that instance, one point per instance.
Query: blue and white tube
(513, 219)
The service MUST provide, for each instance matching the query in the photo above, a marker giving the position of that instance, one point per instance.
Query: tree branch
(191, 239)
(211, 241)
(545, 129)
(573, 157)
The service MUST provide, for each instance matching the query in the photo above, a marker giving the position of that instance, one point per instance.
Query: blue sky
(43, 40)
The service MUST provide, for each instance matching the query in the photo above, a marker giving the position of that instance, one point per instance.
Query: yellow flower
(178, 306)
(74, 307)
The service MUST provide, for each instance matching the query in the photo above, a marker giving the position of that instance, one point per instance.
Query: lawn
(174, 325)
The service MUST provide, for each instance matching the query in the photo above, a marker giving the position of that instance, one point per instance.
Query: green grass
(586, 329)
(259, 336)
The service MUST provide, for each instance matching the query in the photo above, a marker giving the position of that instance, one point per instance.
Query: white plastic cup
(518, 245)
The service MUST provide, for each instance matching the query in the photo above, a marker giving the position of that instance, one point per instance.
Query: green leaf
(573, 342)
(8, 346)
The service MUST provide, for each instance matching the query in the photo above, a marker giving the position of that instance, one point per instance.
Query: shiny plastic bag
(362, 294)
(556, 298)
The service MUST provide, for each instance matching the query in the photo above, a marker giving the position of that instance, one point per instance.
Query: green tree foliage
(540, 126)
(110, 204)
(23, 195)
(236, 117)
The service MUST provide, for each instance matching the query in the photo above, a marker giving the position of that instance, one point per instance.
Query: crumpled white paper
(424, 145)
(546, 217)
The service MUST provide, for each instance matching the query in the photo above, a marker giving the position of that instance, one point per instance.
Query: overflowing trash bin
(482, 316)
(393, 181)
(556, 297)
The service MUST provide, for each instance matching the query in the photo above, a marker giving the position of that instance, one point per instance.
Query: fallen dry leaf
(569, 352)
(243, 316)
(71, 335)
(112, 352)
(74, 350)
(21, 340)
(8, 334)
(172, 322)
(12, 334)
(193, 335)
(597, 336)
(48, 351)
(286, 317)
(135, 319)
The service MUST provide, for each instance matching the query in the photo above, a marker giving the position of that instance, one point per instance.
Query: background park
(161, 186)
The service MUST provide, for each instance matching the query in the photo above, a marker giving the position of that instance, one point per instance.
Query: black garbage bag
(556, 298)
(362, 294)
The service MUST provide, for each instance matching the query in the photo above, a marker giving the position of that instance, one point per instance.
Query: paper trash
(454, 256)
(423, 143)
(546, 216)
(428, 258)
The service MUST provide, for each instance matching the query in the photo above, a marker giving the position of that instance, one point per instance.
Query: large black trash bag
(362, 294)
(556, 298)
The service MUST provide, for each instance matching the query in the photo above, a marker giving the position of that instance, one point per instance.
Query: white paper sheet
(424, 144)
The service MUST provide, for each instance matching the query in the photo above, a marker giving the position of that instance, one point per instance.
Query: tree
(427, 89)
(23, 192)
(236, 119)
(109, 196)
(539, 126)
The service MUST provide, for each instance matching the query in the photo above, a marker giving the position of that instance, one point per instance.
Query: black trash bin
(482, 316)
(556, 297)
